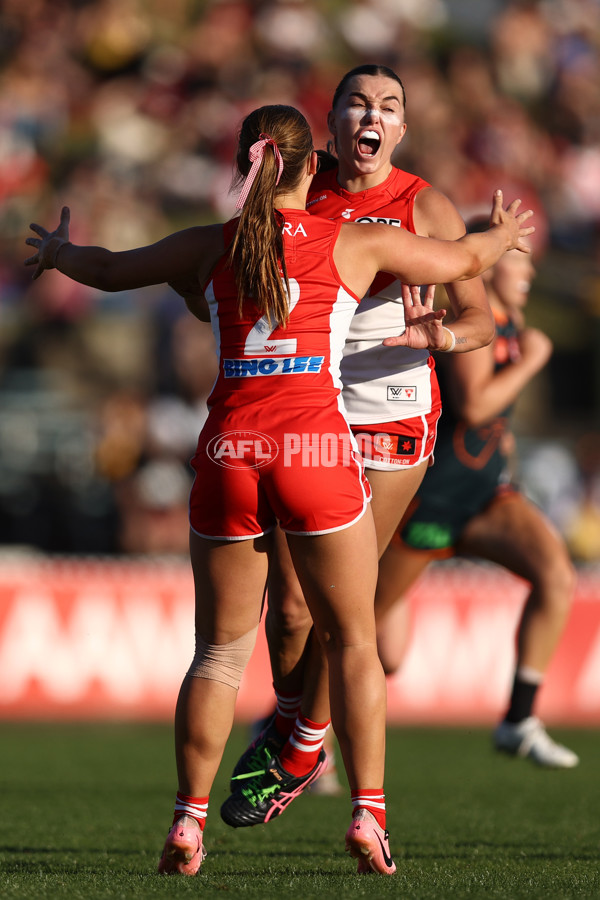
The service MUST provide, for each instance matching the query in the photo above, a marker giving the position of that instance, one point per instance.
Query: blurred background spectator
(126, 110)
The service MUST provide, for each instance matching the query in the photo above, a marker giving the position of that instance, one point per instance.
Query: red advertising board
(110, 640)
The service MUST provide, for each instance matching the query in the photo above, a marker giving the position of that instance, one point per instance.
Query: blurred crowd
(127, 111)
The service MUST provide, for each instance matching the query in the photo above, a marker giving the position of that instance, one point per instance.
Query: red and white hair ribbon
(255, 155)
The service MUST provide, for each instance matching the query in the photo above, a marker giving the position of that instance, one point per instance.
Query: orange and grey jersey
(381, 384)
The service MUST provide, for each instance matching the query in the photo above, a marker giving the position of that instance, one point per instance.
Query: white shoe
(530, 739)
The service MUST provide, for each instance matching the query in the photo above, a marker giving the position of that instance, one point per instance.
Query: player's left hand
(423, 324)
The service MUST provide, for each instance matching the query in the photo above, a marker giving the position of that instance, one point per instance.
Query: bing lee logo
(234, 448)
(285, 365)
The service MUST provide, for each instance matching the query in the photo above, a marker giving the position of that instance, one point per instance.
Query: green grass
(84, 810)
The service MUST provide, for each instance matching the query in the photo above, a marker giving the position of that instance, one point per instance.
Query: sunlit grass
(85, 809)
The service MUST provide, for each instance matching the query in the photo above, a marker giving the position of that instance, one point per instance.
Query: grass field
(85, 809)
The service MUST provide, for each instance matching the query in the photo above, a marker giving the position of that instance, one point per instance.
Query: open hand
(423, 324)
(515, 223)
(48, 244)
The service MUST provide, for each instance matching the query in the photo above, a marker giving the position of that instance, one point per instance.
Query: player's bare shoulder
(435, 215)
(357, 252)
(361, 239)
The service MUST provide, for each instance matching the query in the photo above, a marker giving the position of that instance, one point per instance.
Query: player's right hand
(514, 222)
(48, 243)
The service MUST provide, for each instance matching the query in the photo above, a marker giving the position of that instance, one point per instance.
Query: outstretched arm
(472, 324)
(165, 261)
(363, 250)
(469, 255)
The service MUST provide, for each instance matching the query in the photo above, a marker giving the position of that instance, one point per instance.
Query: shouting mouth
(369, 143)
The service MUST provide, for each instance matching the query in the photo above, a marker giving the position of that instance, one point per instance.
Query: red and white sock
(288, 707)
(195, 807)
(301, 752)
(373, 800)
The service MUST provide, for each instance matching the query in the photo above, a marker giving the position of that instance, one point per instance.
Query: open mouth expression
(368, 143)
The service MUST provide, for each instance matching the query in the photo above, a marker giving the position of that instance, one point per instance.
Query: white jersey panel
(342, 313)
(377, 384)
(213, 308)
(383, 384)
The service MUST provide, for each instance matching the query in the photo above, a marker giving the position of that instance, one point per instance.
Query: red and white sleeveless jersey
(381, 384)
(276, 446)
(293, 369)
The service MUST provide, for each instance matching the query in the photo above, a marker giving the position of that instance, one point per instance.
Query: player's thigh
(287, 605)
(229, 579)
(392, 492)
(514, 533)
(338, 573)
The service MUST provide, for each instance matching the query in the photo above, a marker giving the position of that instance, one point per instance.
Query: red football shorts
(393, 445)
(249, 481)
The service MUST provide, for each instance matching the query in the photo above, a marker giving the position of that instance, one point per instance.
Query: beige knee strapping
(223, 662)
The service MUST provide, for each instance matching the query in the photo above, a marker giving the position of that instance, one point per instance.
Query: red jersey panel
(276, 445)
(389, 203)
(297, 364)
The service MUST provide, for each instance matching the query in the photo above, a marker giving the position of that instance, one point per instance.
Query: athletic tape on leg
(223, 662)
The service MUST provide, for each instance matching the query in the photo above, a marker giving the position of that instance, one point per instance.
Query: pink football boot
(367, 842)
(183, 853)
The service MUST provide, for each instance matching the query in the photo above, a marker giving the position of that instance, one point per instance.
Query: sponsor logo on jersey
(347, 213)
(279, 348)
(289, 229)
(379, 220)
(402, 392)
(316, 200)
(287, 365)
(248, 448)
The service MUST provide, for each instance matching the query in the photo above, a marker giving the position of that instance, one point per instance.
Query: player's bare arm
(479, 392)
(98, 267)
(363, 250)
